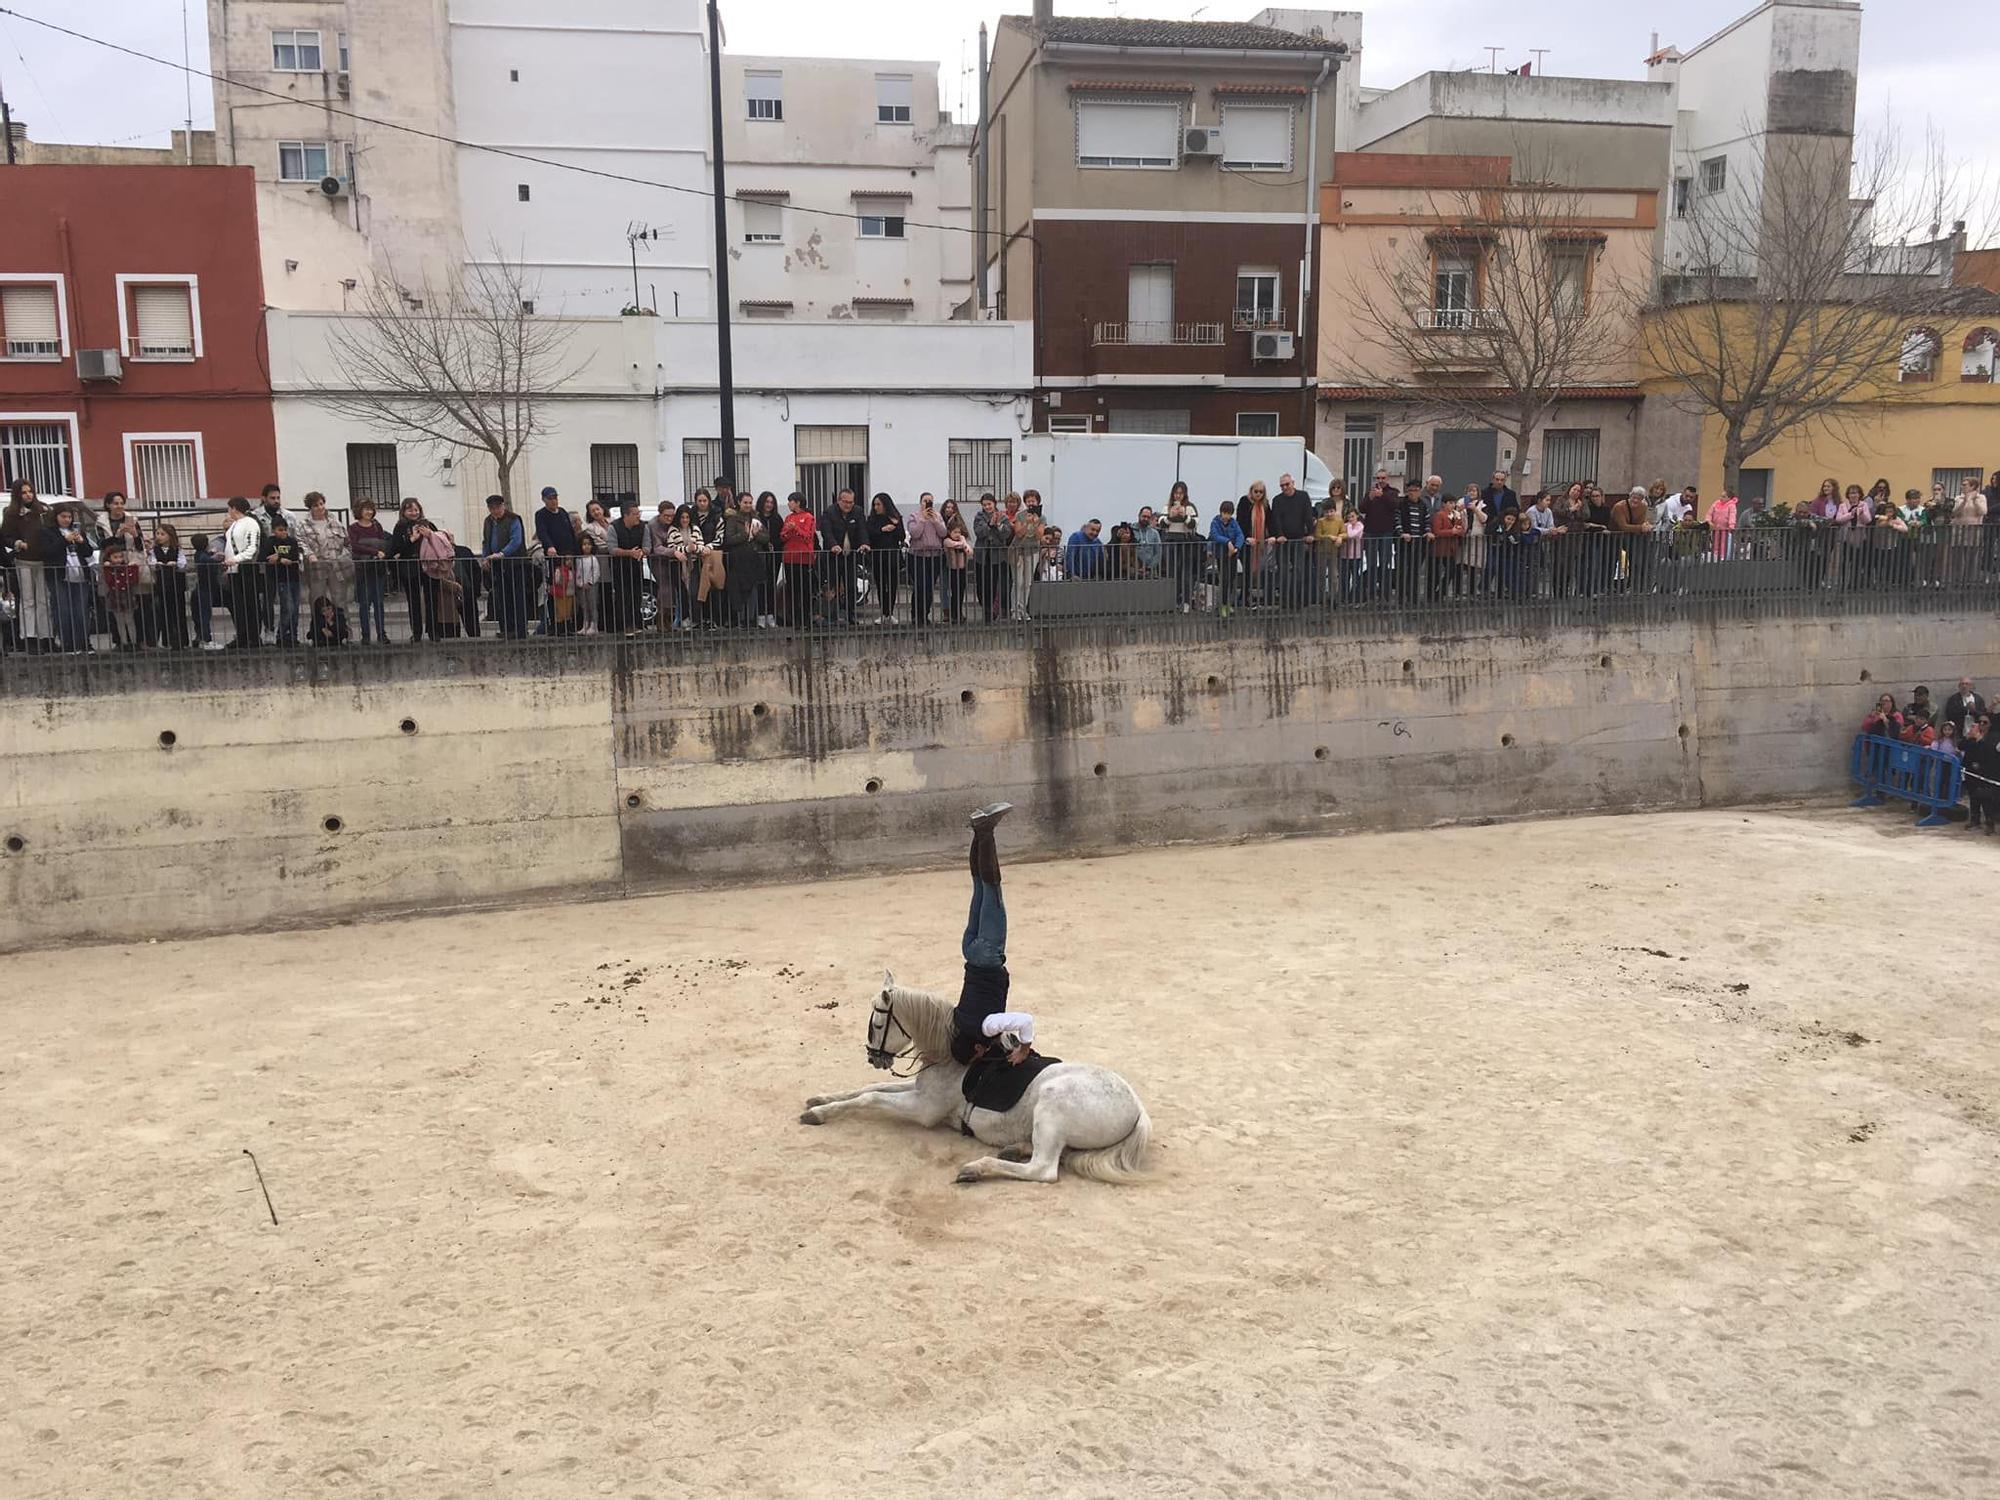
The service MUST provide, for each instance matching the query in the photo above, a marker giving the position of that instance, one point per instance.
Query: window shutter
(29, 313)
(1257, 136)
(832, 445)
(163, 474)
(1128, 132)
(165, 324)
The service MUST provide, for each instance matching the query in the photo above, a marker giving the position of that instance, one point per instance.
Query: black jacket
(1410, 518)
(1498, 503)
(1958, 708)
(844, 529)
(1291, 516)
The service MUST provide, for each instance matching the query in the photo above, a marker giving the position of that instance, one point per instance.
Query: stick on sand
(260, 1182)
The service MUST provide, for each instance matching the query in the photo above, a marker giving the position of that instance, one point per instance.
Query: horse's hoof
(966, 1174)
(816, 1101)
(812, 1117)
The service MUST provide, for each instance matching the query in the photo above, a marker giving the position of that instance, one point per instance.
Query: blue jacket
(1224, 533)
(556, 532)
(503, 536)
(1085, 557)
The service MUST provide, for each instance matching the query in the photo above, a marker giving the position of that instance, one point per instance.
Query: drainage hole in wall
(1682, 731)
(1409, 666)
(633, 799)
(167, 739)
(332, 825)
(1506, 742)
(1214, 681)
(1604, 661)
(408, 726)
(872, 785)
(758, 710)
(1866, 675)
(965, 696)
(1098, 769)
(15, 843)
(1320, 752)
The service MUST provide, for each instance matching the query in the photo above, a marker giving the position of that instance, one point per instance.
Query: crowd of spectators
(76, 573)
(1962, 729)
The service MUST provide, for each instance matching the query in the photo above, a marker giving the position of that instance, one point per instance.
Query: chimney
(1045, 12)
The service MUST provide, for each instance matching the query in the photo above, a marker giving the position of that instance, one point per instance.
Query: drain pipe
(1308, 360)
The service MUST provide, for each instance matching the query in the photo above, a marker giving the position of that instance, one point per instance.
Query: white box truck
(1110, 475)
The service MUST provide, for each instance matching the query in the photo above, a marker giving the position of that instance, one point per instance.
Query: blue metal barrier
(1885, 768)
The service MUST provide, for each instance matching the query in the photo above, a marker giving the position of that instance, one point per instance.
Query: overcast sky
(1924, 63)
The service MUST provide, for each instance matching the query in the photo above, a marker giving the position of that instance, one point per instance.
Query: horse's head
(886, 1035)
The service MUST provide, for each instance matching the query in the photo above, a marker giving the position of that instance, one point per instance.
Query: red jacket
(800, 537)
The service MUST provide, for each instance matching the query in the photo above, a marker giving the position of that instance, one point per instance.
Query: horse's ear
(888, 980)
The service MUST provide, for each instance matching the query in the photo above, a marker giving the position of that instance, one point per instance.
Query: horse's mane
(926, 1017)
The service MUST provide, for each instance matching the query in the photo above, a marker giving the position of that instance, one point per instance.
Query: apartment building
(1153, 194)
(133, 362)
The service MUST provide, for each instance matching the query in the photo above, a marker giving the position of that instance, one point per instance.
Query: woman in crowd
(1968, 521)
(770, 541)
(683, 553)
(1253, 515)
(742, 565)
(711, 578)
(1852, 516)
(957, 562)
(1447, 534)
(1885, 719)
(597, 522)
(626, 570)
(368, 547)
(926, 548)
(1351, 533)
(664, 564)
(21, 528)
(1183, 543)
(1027, 524)
(1121, 553)
(1472, 550)
(1887, 558)
(67, 552)
(170, 605)
(1049, 559)
(420, 587)
(799, 546)
(885, 558)
(328, 552)
(1722, 524)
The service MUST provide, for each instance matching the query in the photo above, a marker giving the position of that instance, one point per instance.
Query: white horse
(1074, 1114)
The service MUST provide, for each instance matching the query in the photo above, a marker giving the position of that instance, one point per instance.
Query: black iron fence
(106, 605)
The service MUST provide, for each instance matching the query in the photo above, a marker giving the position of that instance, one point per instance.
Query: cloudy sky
(1925, 64)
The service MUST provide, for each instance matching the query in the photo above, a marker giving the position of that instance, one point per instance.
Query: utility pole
(725, 375)
(979, 207)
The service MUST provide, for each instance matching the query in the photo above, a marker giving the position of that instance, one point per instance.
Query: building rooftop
(1135, 31)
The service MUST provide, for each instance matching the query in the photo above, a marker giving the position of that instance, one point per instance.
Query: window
(1357, 454)
(1569, 456)
(521, 191)
(31, 320)
(1149, 304)
(1451, 292)
(1714, 175)
(892, 98)
(701, 464)
(1069, 424)
(1919, 359)
(1172, 419)
(157, 318)
(831, 459)
(1753, 488)
(341, 38)
(39, 452)
(1128, 135)
(877, 223)
(164, 470)
(764, 95)
(1257, 300)
(763, 223)
(304, 161)
(1977, 364)
(1569, 278)
(1683, 197)
(614, 473)
(513, 75)
(528, 306)
(295, 52)
(978, 466)
(371, 475)
(1954, 479)
(1257, 137)
(1256, 424)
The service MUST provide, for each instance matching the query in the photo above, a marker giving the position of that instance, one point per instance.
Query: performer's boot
(985, 857)
(985, 820)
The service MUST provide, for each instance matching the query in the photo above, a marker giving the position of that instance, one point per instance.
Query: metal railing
(1256, 319)
(101, 612)
(1457, 319)
(1157, 333)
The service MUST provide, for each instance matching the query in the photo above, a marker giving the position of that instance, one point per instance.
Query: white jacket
(241, 541)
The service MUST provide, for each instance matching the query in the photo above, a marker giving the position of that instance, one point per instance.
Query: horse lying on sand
(1076, 1115)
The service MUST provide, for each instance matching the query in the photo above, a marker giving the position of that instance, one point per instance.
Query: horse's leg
(900, 1085)
(907, 1103)
(1041, 1166)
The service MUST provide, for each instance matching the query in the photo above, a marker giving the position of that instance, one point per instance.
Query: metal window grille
(1357, 455)
(164, 474)
(1569, 456)
(39, 453)
(1256, 424)
(701, 464)
(371, 475)
(614, 473)
(1951, 479)
(28, 319)
(831, 459)
(1178, 420)
(164, 323)
(978, 466)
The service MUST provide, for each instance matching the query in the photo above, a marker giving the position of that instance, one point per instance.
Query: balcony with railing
(1146, 348)
(1258, 319)
(1122, 334)
(1458, 319)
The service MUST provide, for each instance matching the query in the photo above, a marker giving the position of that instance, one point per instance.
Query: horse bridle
(879, 1055)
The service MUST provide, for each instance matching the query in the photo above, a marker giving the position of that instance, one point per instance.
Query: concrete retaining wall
(224, 793)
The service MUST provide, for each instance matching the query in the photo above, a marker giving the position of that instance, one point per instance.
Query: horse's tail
(1126, 1161)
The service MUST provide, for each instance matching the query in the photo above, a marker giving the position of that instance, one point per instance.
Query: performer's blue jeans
(985, 942)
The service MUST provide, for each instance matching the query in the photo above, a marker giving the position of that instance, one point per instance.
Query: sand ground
(1616, 1157)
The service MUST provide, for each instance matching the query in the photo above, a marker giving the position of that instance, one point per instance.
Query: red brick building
(1152, 210)
(132, 333)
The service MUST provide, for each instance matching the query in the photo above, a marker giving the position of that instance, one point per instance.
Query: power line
(447, 140)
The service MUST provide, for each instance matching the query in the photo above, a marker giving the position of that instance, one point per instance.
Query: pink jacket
(1721, 522)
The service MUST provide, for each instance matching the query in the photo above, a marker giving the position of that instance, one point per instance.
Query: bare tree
(1795, 293)
(460, 362)
(1495, 316)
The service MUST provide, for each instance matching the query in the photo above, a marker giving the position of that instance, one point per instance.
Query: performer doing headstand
(982, 1011)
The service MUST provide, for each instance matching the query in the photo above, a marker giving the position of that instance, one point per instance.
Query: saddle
(996, 1084)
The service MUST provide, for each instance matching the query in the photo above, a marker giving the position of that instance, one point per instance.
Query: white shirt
(241, 541)
(1672, 509)
(1540, 519)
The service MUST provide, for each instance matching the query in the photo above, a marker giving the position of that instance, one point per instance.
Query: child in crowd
(588, 570)
(329, 624)
(121, 592)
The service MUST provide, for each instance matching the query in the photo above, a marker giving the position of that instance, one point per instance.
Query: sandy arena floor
(1463, 1188)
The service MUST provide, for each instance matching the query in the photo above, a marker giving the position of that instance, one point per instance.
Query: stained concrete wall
(485, 777)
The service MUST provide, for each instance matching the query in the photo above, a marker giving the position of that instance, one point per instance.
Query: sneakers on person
(984, 820)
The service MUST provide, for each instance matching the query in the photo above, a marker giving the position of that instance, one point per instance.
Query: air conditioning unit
(1201, 140)
(1271, 345)
(99, 364)
(335, 187)
(340, 82)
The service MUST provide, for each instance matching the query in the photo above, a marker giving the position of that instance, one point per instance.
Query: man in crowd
(1921, 709)
(1290, 529)
(1631, 523)
(555, 533)
(1499, 498)
(1412, 538)
(267, 516)
(1963, 706)
(1084, 556)
(843, 537)
(1378, 532)
(1433, 495)
(1675, 508)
